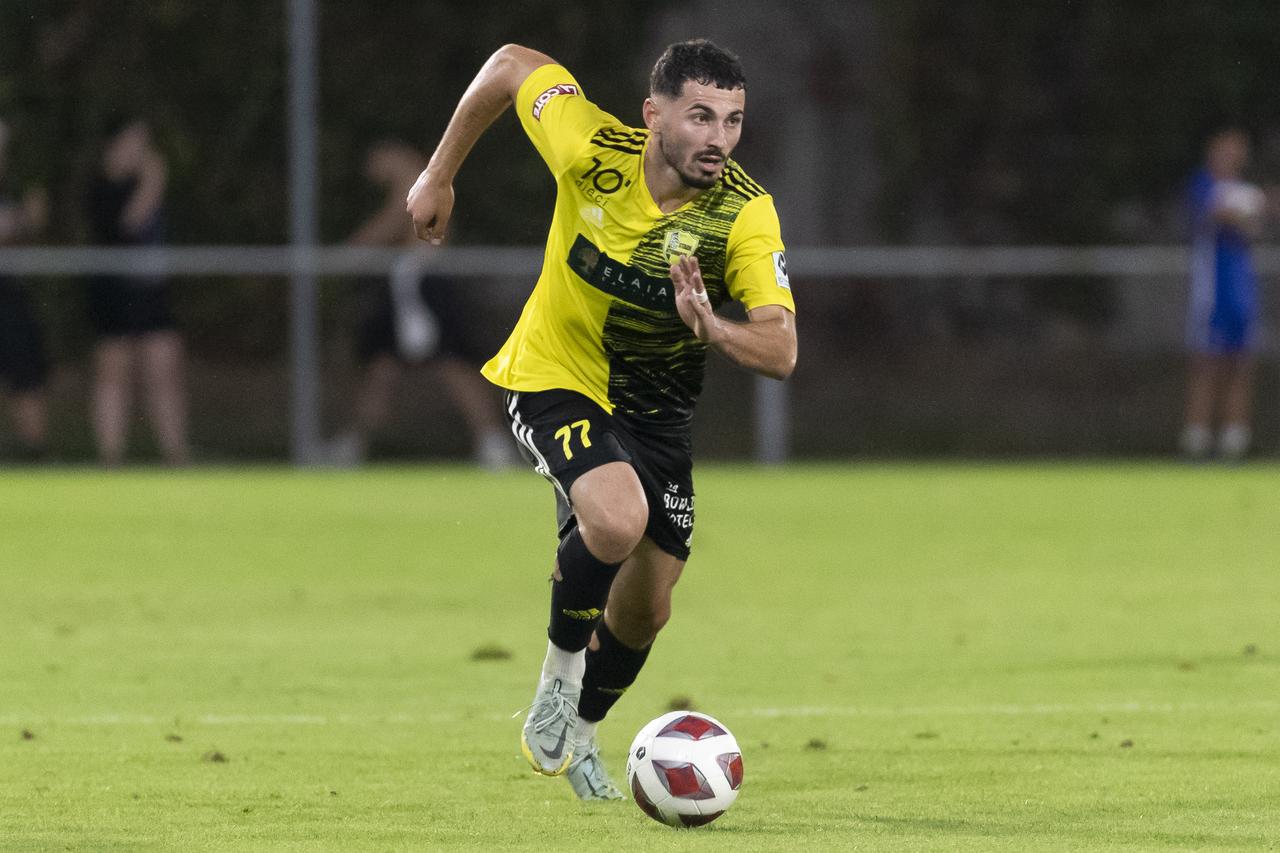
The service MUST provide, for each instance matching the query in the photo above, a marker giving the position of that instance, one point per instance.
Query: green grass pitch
(917, 657)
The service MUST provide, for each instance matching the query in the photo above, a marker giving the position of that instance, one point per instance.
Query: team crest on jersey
(679, 244)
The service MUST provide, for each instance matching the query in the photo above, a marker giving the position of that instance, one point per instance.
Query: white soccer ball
(684, 769)
(1240, 198)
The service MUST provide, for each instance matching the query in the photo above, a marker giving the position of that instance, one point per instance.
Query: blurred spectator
(414, 318)
(1222, 315)
(23, 364)
(131, 313)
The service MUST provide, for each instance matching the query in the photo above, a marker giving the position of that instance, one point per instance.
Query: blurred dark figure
(24, 366)
(413, 319)
(1222, 315)
(137, 334)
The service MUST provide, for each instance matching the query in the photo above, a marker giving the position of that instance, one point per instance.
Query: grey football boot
(588, 777)
(547, 737)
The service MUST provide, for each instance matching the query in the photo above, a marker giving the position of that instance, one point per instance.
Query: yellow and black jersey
(602, 319)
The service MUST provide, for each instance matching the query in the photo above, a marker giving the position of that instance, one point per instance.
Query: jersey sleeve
(756, 267)
(557, 116)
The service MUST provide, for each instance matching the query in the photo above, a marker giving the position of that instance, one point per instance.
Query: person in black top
(24, 365)
(131, 313)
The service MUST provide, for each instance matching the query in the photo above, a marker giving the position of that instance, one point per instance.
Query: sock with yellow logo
(611, 669)
(578, 598)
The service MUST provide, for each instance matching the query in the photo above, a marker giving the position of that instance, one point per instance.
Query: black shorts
(564, 435)
(24, 366)
(377, 334)
(124, 307)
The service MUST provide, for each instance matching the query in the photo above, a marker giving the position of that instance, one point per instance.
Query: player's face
(126, 150)
(697, 131)
(1228, 154)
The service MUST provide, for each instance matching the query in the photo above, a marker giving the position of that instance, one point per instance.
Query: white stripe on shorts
(524, 435)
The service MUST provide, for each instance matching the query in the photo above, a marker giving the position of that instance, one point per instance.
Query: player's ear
(651, 113)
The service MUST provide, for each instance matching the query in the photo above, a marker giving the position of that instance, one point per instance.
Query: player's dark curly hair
(698, 60)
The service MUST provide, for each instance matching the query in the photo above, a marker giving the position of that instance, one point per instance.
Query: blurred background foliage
(873, 121)
(1013, 122)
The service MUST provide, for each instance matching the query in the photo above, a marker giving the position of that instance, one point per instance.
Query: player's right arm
(430, 201)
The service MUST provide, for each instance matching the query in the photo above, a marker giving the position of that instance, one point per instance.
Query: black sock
(578, 599)
(611, 669)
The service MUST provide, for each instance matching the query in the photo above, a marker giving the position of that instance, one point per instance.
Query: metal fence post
(303, 232)
(772, 405)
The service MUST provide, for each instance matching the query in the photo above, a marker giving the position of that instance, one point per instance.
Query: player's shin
(611, 669)
(578, 596)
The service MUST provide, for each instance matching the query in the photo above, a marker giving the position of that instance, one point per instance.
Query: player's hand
(430, 203)
(691, 299)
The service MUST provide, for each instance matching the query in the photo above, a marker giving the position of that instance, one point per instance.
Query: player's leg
(474, 398)
(639, 602)
(639, 606)
(1237, 406)
(25, 365)
(460, 352)
(31, 421)
(373, 399)
(1197, 423)
(380, 369)
(604, 512)
(610, 512)
(111, 397)
(162, 363)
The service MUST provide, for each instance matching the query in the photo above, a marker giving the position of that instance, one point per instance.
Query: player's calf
(611, 668)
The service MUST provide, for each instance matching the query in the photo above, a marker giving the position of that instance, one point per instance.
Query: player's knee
(612, 532)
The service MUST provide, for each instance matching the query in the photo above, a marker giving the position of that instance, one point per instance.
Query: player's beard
(691, 178)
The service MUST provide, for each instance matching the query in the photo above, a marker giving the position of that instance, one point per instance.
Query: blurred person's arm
(1247, 223)
(384, 228)
(1238, 205)
(147, 196)
(430, 201)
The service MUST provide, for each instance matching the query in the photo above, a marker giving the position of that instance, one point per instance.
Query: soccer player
(654, 228)
(1222, 317)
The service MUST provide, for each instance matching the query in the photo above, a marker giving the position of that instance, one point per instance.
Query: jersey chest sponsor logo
(618, 279)
(542, 100)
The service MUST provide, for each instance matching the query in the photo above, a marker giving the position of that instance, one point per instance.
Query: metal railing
(771, 427)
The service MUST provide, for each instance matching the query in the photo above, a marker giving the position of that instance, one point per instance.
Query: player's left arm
(766, 343)
(756, 276)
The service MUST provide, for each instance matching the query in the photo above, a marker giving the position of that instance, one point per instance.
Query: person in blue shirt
(1222, 314)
